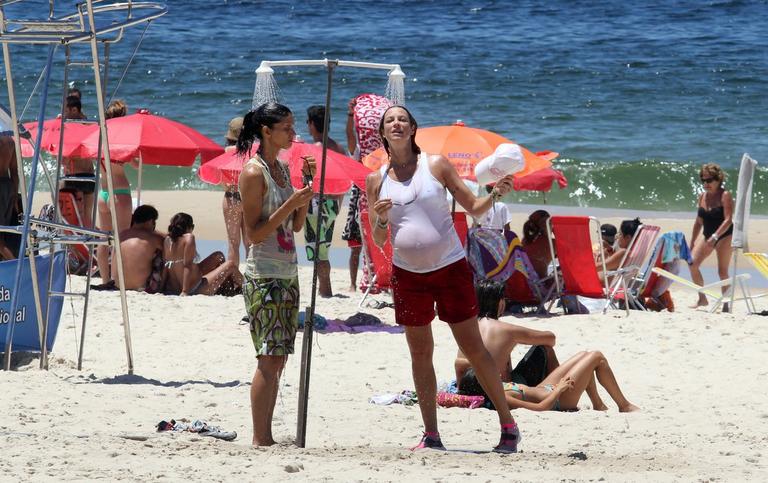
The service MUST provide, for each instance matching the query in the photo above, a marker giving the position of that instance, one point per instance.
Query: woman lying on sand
(561, 389)
(182, 274)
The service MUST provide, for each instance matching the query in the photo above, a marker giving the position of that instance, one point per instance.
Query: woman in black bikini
(715, 211)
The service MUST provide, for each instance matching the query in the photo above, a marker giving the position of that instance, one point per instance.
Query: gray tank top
(275, 257)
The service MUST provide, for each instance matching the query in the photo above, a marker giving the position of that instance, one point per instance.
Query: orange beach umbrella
(464, 147)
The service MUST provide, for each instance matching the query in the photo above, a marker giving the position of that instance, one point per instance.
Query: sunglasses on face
(707, 180)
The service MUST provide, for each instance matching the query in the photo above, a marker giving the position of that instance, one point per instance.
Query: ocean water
(633, 95)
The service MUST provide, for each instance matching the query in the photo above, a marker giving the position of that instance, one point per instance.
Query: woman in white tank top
(408, 198)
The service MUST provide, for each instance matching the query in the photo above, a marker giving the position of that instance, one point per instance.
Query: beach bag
(532, 368)
(491, 253)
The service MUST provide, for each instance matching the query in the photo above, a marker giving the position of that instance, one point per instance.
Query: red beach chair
(625, 278)
(379, 260)
(77, 254)
(461, 226)
(571, 240)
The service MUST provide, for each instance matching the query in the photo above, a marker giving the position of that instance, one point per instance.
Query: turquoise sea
(633, 95)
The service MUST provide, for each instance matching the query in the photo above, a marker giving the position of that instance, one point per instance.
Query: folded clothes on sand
(200, 427)
(407, 398)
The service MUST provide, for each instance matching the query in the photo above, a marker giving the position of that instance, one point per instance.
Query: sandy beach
(698, 378)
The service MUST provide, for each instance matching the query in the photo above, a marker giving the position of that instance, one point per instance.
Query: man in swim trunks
(139, 246)
(330, 209)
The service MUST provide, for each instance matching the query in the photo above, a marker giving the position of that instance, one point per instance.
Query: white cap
(506, 159)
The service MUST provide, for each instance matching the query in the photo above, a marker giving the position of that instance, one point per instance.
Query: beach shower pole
(306, 344)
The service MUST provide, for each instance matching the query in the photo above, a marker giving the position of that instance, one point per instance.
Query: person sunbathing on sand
(141, 250)
(183, 275)
(561, 389)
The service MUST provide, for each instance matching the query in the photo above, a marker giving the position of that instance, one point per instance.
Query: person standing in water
(409, 203)
(272, 212)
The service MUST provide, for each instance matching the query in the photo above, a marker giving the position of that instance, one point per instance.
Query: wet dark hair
(267, 115)
(469, 385)
(74, 101)
(143, 214)
(316, 116)
(180, 224)
(531, 228)
(629, 227)
(414, 147)
(75, 92)
(489, 294)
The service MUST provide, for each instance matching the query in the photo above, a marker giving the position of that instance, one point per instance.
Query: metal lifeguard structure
(93, 22)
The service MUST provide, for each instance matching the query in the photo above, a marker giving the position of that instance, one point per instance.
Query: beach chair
(760, 262)
(379, 260)
(636, 256)
(712, 290)
(525, 288)
(462, 228)
(570, 244)
(670, 250)
(78, 254)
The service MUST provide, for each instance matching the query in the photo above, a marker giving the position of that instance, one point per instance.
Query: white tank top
(423, 236)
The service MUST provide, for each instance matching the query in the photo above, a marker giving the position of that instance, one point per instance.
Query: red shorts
(451, 288)
(354, 243)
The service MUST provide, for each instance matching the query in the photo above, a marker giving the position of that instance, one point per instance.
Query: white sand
(699, 379)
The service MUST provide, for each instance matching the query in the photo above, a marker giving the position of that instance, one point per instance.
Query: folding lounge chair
(570, 238)
(671, 249)
(760, 261)
(524, 287)
(379, 260)
(638, 251)
(77, 254)
(711, 290)
(460, 223)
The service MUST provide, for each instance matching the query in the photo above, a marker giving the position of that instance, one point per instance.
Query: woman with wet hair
(713, 228)
(272, 212)
(409, 205)
(184, 274)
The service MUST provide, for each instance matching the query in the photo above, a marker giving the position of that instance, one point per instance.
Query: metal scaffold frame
(78, 27)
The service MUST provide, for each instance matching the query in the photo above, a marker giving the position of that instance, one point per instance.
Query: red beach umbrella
(340, 173)
(542, 179)
(154, 140)
(74, 135)
(463, 146)
(223, 169)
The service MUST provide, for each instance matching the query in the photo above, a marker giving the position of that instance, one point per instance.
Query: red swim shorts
(450, 288)
(354, 243)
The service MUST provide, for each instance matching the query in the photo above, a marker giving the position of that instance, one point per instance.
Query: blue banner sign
(26, 336)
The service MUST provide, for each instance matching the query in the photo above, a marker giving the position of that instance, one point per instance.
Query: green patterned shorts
(273, 311)
(330, 212)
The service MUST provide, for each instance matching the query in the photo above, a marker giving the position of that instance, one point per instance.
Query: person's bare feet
(628, 408)
(699, 303)
(600, 407)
